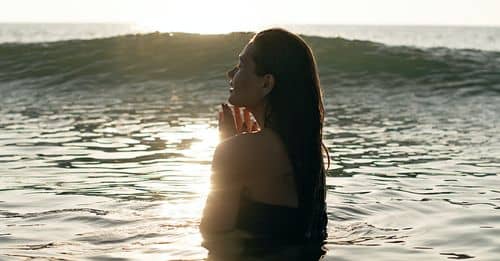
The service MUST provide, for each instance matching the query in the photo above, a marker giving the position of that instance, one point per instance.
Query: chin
(239, 101)
(234, 101)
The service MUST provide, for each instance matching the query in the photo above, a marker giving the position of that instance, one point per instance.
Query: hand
(231, 123)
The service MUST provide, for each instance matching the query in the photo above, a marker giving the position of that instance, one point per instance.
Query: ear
(269, 83)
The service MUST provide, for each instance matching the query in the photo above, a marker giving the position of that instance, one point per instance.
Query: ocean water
(106, 145)
(456, 37)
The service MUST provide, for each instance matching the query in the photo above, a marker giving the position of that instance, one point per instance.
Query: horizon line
(269, 25)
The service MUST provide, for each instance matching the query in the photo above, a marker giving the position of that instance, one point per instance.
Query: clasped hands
(231, 122)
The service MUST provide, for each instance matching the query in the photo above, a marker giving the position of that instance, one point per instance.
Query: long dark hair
(295, 112)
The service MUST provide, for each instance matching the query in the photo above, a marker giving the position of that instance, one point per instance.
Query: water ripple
(123, 172)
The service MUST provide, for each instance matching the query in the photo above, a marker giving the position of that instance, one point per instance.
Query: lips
(231, 89)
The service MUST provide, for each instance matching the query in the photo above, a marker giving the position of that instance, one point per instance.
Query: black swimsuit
(277, 221)
(265, 220)
(275, 227)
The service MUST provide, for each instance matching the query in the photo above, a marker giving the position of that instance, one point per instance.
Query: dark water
(106, 144)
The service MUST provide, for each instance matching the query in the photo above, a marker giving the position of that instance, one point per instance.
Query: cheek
(239, 80)
(245, 91)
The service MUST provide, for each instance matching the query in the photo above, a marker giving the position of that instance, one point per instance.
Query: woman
(269, 182)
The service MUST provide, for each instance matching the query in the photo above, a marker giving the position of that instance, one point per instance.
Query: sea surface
(106, 143)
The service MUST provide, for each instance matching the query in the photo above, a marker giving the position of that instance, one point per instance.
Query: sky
(237, 14)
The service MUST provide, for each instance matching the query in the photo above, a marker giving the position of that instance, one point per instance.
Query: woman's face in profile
(245, 84)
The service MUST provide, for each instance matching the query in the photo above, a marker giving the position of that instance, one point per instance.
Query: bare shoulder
(237, 148)
(249, 153)
(245, 144)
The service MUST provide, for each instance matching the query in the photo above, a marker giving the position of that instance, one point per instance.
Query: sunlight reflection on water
(111, 174)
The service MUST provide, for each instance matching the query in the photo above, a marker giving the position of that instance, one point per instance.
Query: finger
(244, 128)
(220, 116)
(248, 120)
(228, 115)
(229, 122)
(220, 119)
(255, 126)
(237, 119)
(228, 128)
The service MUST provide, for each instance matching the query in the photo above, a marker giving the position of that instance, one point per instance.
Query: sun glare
(195, 169)
(204, 17)
(202, 150)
